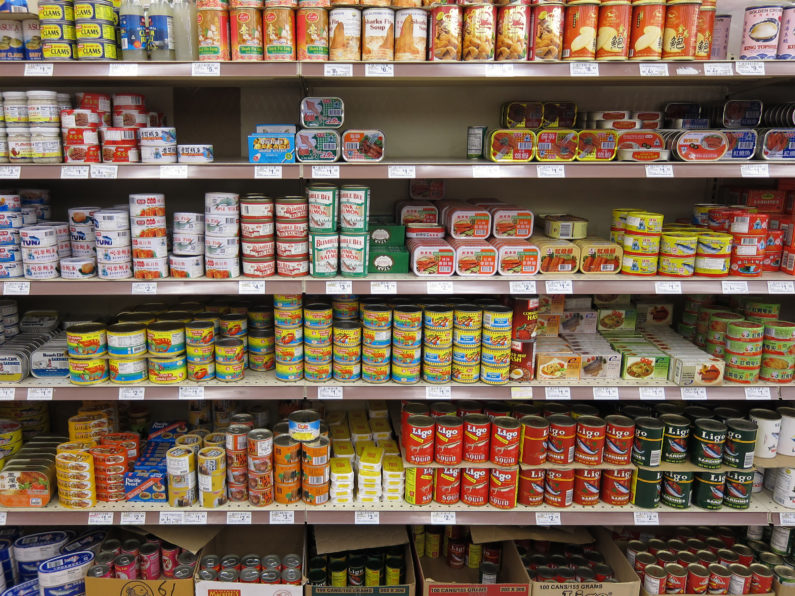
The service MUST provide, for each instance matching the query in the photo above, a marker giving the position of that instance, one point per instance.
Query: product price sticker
(734, 287)
(486, 172)
(103, 172)
(281, 518)
(3, 518)
(366, 518)
(39, 394)
(693, 393)
(659, 171)
(195, 518)
(438, 392)
(191, 393)
(171, 518)
(325, 171)
(559, 286)
(781, 287)
(647, 518)
(557, 392)
(144, 288)
(132, 518)
(173, 172)
(100, 518)
(339, 287)
(439, 287)
(238, 518)
(787, 519)
(521, 393)
(757, 393)
(402, 172)
(383, 287)
(379, 70)
(651, 393)
(498, 70)
(605, 392)
(584, 69)
(551, 171)
(205, 69)
(251, 287)
(750, 68)
(653, 70)
(329, 392)
(37, 69)
(16, 288)
(551, 518)
(131, 393)
(443, 518)
(123, 69)
(723, 69)
(269, 172)
(7, 393)
(754, 170)
(75, 172)
(667, 287)
(522, 287)
(338, 70)
(10, 172)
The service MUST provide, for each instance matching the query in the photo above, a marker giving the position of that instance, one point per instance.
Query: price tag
(439, 287)
(780, 287)
(104, 172)
(750, 67)
(718, 70)
(171, 518)
(754, 170)
(325, 171)
(651, 392)
(339, 287)
(100, 518)
(282, 518)
(74, 172)
(10, 172)
(132, 518)
(486, 172)
(521, 393)
(647, 518)
(499, 70)
(557, 392)
(173, 172)
(438, 392)
(7, 393)
(205, 69)
(379, 70)
(144, 287)
(196, 517)
(584, 69)
(338, 70)
(383, 287)
(605, 392)
(786, 519)
(39, 393)
(402, 172)
(734, 287)
(191, 392)
(238, 518)
(251, 287)
(122, 69)
(692, 393)
(442, 518)
(653, 70)
(16, 288)
(559, 286)
(757, 393)
(131, 393)
(38, 69)
(551, 171)
(3, 518)
(332, 392)
(667, 287)
(366, 518)
(547, 518)
(522, 287)
(659, 170)
(272, 172)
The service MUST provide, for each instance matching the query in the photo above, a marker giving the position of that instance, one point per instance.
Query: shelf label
(718, 70)
(366, 518)
(171, 518)
(191, 392)
(521, 393)
(439, 392)
(584, 69)
(559, 286)
(443, 518)
(325, 171)
(605, 392)
(333, 392)
(10, 172)
(651, 392)
(647, 518)
(3, 518)
(653, 70)
(786, 519)
(7, 393)
(757, 393)
(659, 170)
(339, 287)
(238, 518)
(146, 288)
(173, 172)
(439, 287)
(132, 518)
(100, 518)
(522, 287)
(16, 288)
(486, 171)
(734, 287)
(781, 287)
(282, 518)
(74, 172)
(551, 171)
(557, 392)
(379, 70)
(270, 172)
(338, 70)
(750, 67)
(383, 287)
(103, 172)
(131, 393)
(251, 286)
(551, 518)
(402, 172)
(36, 69)
(754, 170)
(499, 70)
(196, 517)
(122, 69)
(667, 287)
(692, 393)
(205, 69)
(39, 394)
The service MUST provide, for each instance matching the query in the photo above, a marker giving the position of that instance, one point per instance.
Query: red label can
(168, 560)
(474, 486)
(719, 579)
(590, 443)
(619, 434)
(761, 579)
(445, 33)
(449, 443)
(505, 441)
(411, 409)
(643, 560)
(559, 488)
(442, 408)
(477, 432)
(531, 487)
(502, 488)
(586, 486)
(446, 485)
(419, 486)
(616, 487)
(418, 435)
(535, 431)
(525, 318)
(560, 444)
(740, 579)
(676, 582)
(465, 408)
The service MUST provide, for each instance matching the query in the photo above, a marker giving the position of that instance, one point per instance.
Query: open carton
(334, 539)
(191, 538)
(783, 589)
(261, 540)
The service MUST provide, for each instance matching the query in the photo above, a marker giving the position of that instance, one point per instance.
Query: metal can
(445, 35)
(619, 435)
(561, 441)
(677, 489)
(647, 446)
(590, 440)
(615, 488)
(646, 487)
(679, 36)
(708, 489)
(675, 438)
(505, 441)
(503, 488)
(708, 439)
(559, 488)
(474, 486)
(739, 485)
(586, 486)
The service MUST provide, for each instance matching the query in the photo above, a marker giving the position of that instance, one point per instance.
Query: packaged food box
(615, 319)
(651, 365)
(765, 199)
(363, 145)
(516, 257)
(510, 145)
(386, 234)
(604, 364)
(509, 221)
(655, 313)
(317, 146)
(565, 226)
(474, 257)
(551, 303)
(557, 365)
(558, 256)
(388, 259)
(548, 325)
(696, 371)
(322, 112)
(144, 486)
(408, 212)
(432, 258)
(578, 321)
(271, 148)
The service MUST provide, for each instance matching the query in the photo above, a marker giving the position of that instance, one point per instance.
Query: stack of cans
(292, 236)
(37, 200)
(289, 334)
(110, 464)
(145, 225)
(260, 467)
(181, 470)
(69, 457)
(256, 226)
(261, 343)
(212, 476)
(40, 256)
(221, 235)
(57, 30)
(80, 132)
(96, 24)
(158, 145)
(187, 253)
(200, 338)
(237, 471)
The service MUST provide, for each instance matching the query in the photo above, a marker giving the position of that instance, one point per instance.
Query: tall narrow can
(646, 487)
(475, 138)
(677, 489)
(708, 489)
(677, 431)
(647, 446)
(738, 450)
(354, 208)
(323, 203)
(739, 484)
(354, 253)
(619, 434)
(708, 439)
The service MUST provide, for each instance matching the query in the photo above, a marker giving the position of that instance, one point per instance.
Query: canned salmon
(579, 31)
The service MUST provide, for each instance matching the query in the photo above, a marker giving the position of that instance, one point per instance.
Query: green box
(388, 259)
(387, 234)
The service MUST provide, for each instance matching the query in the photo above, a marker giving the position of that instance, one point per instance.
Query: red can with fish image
(502, 488)
(619, 434)
(419, 486)
(447, 485)
(449, 442)
(535, 433)
(477, 433)
(559, 488)
(531, 486)
(590, 442)
(475, 486)
(409, 409)
(418, 434)
(505, 437)
(560, 443)
(586, 486)
(719, 579)
(616, 487)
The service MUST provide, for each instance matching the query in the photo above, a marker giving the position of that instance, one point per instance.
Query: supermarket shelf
(233, 170)
(780, 461)
(161, 287)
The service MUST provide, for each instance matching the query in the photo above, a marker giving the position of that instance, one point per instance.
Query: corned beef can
(503, 488)
(586, 486)
(590, 441)
(446, 485)
(559, 488)
(619, 434)
(449, 441)
(615, 489)
(531, 487)
(535, 432)
(419, 485)
(505, 439)
(561, 441)
(477, 435)
(418, 439)
(474, 486)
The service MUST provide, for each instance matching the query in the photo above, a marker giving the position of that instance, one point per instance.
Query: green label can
(324, 254)
(737, 493)
(677, 489)
(738, 451)
(677, 432)
(708, 489)
(354, 208)
(646, 487)
(354, 249)
(323, 201)
(647, 446)
(708, 438)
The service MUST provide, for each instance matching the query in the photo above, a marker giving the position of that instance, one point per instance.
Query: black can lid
(648, 422)
(711, 425)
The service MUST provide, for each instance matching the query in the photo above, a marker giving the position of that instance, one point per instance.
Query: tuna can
(616, 487)
(619, 435)
(708, 489)
(559, 488)
(738, 450)
(708, 439)
(675, 438)
(646, 488)
(647, 446)
(586, 486)
(677, 489)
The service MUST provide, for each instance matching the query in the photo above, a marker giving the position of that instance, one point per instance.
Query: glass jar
(19, 149)
(46, 145)
(15, 108)
(43, 109)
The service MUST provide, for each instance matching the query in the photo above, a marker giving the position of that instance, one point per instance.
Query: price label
(402, 172)
(39, 393)
(104, 172)
(486, 172)
(238, 518)
(439, 287)
(100, 518)
(74, 172)
(522, 287)
(750, 68)
(270, 172)
(205, 69)
(757, 393)
(122, 69)
(584, 69)
(718, 70)
(659, 170)
(438, 392)
(379, 70)
(499, 70)
(282, 518)
(754, 170)
(383, 287)
(521, 393)
(366, 518)
(325, 171)
(734, 287)
(132, 518)
(605, 392)
(647, 518)
(10, 172)
(780, 287)
(339, 287)
(338, 70)
(551, 171)
(653, 70)
(329, 392)
(196, 517)
(692, 393)
(144, 288)
(16, 288)
(442, 518)
(251, 286)
(786, 519)
(559, 286)
(667, 287)
(557, 392)
(7, 393)
(651, 392)
(131, 393)
(171, 518)
(37, 69)
(3, 518)
(173, 172)
(547, 518)
(191, 393)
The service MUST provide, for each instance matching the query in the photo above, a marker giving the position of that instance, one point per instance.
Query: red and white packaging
(407, 212)
(464, 221)
(516, 257)
(80, 136)
(119, 136)
(474, 258)
(431, 258)
(510, 221)
(111, 154)
(81, 154)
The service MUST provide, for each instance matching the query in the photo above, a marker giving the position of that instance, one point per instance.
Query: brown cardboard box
(783, 589)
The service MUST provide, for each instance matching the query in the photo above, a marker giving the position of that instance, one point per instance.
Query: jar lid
(46, 130)
(20, 130)
(42, 94)
(14, 95)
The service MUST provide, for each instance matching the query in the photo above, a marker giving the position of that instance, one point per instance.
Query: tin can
(579, 31)
(679, 37)
(675, 438)
(590, 440)
(479, 32)
(419, 485)
(535, 433)
(559, 488)
(503, 488)
(677, 489)
(646, 35)
(761, 31)
(612, 38)
(476, 136)
(646, 487)
(761, 579)
(505, 440)
(561, 440)
(418, 439)
(586, 486)
(246, 34)
(213, 34)
(708, 439)
(647, 446)
(737, 494)
(531, 487)
(449, 440)
(719, 579)
(312, 36)
(447, 485)
(708, 489)
(474, 486)
(619, 435)
(616, 486)
(741, 438)
(279, 34)
(477, 435)
(354, 208)
(88, 339)
(445, 35)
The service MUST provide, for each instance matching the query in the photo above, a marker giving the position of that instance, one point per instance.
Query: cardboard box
(271, 148)
(388, 259)
(386, 234)
(783, 589)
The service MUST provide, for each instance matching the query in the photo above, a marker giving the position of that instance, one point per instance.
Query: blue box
(145, 487)
(271, 148)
